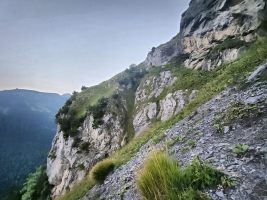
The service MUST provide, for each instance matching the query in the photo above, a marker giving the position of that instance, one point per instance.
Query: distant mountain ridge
(27, 127)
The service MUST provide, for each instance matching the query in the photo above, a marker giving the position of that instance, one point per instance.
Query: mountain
(201, 97)
(27, 127)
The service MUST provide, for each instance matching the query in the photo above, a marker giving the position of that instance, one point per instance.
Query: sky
(61, 45)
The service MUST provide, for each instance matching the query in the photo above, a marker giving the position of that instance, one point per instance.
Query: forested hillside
(27, 127)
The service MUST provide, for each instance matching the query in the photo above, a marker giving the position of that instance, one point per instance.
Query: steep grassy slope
(208, 84)
(73, 113)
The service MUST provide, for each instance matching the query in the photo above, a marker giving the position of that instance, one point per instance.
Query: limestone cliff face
(149, 107)
(70, 159)
(212, 32)
(205, 25)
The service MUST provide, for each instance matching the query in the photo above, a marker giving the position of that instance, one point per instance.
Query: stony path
(249, 171)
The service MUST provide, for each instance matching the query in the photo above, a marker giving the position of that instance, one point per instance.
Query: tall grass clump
(101, 170)
(163, 179)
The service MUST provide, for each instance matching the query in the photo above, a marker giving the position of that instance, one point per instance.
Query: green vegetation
(210, 84)
(187, 79)
(264, 25)
(95, 100)
(228, 43)
(100, 171)
(171, 142)
(227, 182)
(78, 190)
(163, 179)
(219, 128)
(191, 144)
(36, 186)
(240, 149)
(73, 113)
(98, 112)
(243, 112)
(239, 112)
(81, 167)
(132, 76)
(84, 146)
(157, 138)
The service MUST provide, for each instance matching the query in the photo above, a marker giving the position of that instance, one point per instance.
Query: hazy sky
(60, 45)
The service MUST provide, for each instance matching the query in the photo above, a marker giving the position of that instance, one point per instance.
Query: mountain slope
(212, 134)
(147, 99)
(229, 75)
(27, 126)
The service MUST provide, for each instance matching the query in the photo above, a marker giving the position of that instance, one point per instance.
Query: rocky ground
(235, 116)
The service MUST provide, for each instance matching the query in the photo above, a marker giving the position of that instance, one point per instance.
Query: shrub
(81, 167)
(201, 175)
(98, 112)
(219, 128)
(84, 88)
(101, 170)
(84, 146)
(76, 142)
(163, 179)
(52, 155)
(36, 186)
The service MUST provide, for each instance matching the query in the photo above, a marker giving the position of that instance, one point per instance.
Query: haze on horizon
(60, 45)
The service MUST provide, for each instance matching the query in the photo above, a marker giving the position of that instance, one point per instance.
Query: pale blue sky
(60, 45)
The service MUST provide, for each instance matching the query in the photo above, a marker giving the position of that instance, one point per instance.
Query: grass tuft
(101, 170)
(163, 179)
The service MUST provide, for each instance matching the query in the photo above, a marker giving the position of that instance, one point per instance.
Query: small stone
(220, 194)
(226, 129)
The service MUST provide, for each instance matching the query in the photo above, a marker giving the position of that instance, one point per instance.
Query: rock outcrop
(150, 106)
(70, 158)
(207, 24)
(174, 102)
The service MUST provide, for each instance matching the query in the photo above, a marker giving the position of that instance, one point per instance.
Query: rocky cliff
(206, 25)
(102, 119)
